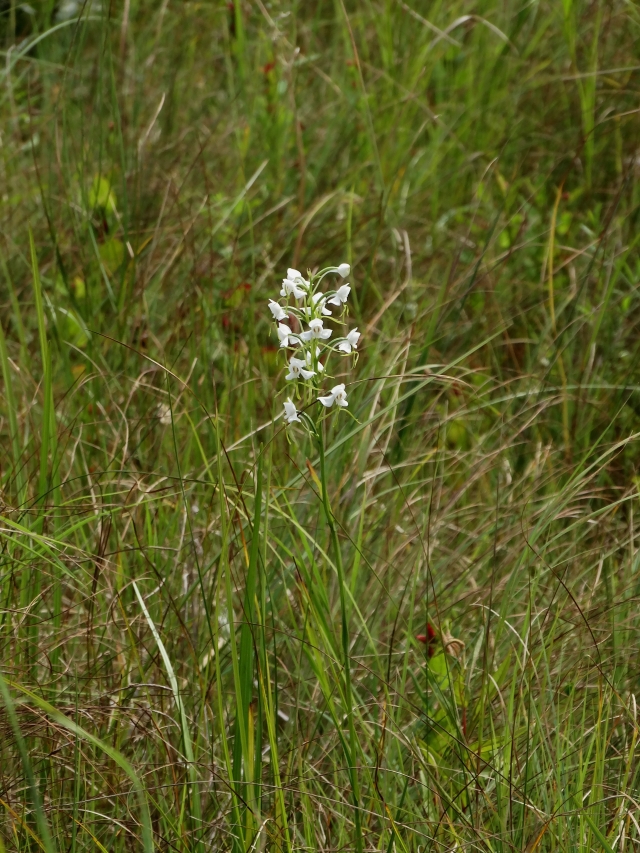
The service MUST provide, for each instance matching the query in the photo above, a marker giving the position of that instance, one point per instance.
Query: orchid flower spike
(297, 370)
(277, 310)
(284, 333)
(290, 412)
(350, 342)
(341, 295)
(316, 331)
(338, 396)
(305, 367)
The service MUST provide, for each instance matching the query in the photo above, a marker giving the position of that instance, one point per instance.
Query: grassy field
(209, 620)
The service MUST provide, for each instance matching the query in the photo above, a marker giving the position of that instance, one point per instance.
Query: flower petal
(327, 401)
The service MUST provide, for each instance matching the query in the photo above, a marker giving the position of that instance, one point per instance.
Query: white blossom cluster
(300, 314)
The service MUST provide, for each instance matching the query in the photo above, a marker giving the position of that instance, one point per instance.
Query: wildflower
(319, 365)
(294, 285)
(290, 288)
(277, 310)
(283, 334)
(341, 295)
(290, 412)
(297, 369)
(316, 331)
(305, 367)
(338, 396)
(350, 342)
(319, 302)
(164, 414)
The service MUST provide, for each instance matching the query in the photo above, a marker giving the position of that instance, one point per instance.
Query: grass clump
(218, 632)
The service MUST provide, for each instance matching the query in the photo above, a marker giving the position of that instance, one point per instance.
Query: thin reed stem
(344, 618)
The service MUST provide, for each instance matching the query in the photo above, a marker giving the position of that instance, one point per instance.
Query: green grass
(181, 582)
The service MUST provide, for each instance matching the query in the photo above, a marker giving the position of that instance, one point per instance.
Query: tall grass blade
(193, 793)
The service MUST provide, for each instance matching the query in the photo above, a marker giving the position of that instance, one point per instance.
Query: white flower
(290, 288)
(350, 342)
(290, 412)
(342, 294)
(316, 331)
(277, 310)
(164, 414)
(319, 301)
(344, 270)
(320, 366)
(338, 396)
(294, 285)
(297, 369)
(283, 334)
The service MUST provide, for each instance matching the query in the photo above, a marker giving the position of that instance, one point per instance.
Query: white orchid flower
(337, 395)
(316, 331)
(284, 333)
(290, 412)
(297, 370)
(290, 288)
(319, 365)
(294, 285)
(350, 342)
(319, 301)
(341, 295)
(277, 310)
(344, 270)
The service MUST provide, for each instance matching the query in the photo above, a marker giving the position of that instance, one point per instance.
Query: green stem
(352, 752)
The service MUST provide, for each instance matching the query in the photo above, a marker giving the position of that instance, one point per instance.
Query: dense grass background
(170, 618)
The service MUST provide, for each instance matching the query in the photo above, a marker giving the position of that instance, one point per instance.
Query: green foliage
(207, 626)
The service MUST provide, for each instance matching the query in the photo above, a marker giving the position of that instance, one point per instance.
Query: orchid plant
(301, 314)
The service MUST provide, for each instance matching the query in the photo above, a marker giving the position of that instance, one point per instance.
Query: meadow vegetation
(208, 631)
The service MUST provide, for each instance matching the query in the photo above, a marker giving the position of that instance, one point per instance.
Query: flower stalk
(301, 316)
(346, 661)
